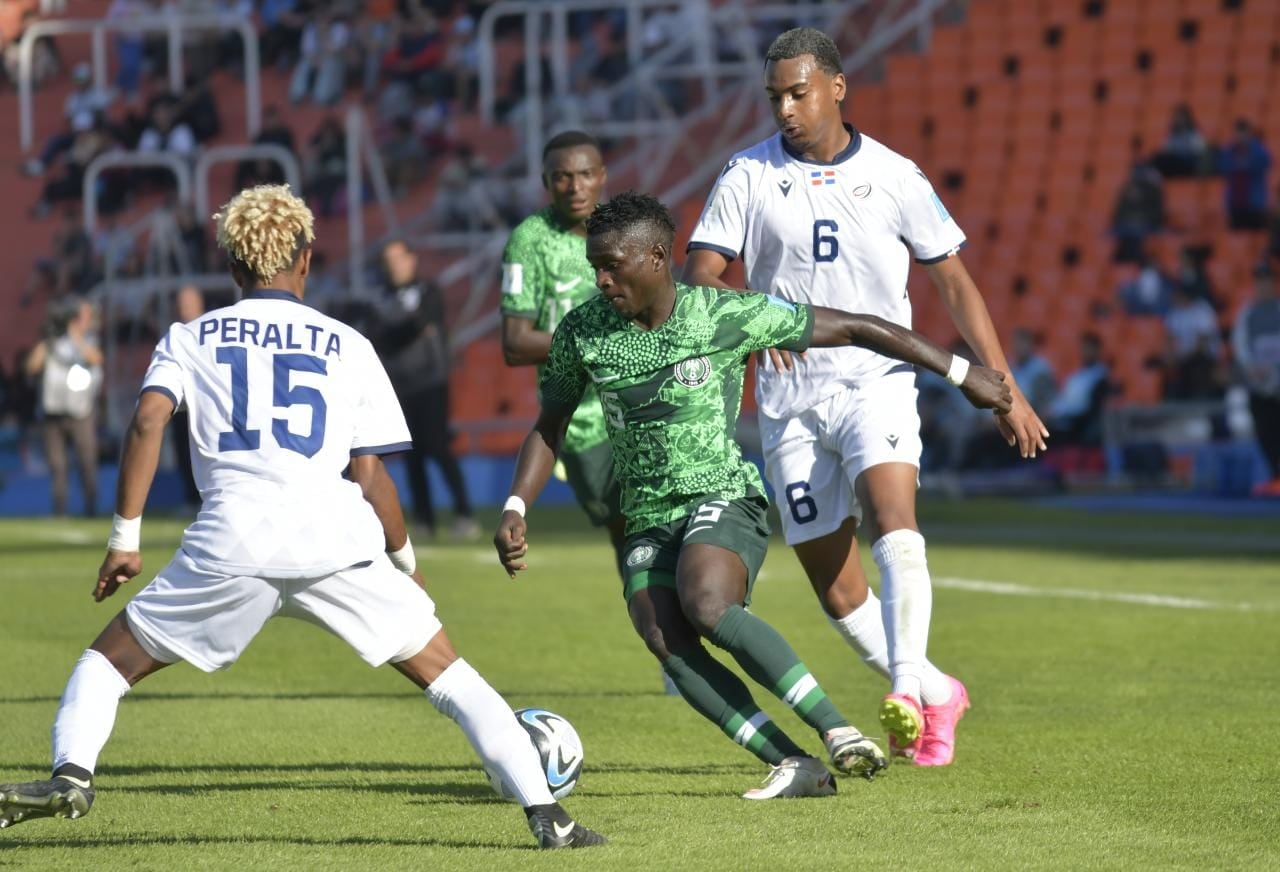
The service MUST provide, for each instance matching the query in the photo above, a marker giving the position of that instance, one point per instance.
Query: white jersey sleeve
(165, 372)
(722, 227)
(927, 227)
(380, 426)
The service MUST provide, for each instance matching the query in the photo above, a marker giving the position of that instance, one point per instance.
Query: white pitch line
(1139, 599)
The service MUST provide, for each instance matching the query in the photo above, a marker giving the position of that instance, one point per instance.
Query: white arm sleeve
(927, 227)
(722, 227)
(380, 425)
(165, 374)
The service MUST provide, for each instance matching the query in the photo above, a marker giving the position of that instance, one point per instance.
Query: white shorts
(208, 619)
(813, 459)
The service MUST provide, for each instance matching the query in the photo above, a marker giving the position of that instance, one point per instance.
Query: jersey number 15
(283, 394)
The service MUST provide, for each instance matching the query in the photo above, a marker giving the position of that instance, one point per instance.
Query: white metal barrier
(179, 166)
(223, 153)
(171, 22)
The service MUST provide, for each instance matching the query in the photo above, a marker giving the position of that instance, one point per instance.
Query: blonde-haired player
(282, 400)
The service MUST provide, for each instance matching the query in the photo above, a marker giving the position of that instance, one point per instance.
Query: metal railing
(175, 24)
(224, 153)
(179, 166)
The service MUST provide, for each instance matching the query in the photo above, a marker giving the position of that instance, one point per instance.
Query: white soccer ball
(557, 744)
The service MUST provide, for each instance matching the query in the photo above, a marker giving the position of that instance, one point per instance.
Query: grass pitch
(1104, 733)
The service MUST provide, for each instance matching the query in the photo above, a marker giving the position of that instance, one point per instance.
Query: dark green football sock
(720, 696)
(762, 652)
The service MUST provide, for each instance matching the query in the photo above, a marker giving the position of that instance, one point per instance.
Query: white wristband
(514, 504)
(404, 558)
(126, 534)
(959, 369)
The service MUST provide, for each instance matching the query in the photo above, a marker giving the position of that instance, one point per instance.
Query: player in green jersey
(668, 361)
(545, 274)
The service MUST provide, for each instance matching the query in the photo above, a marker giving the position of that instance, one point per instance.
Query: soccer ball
(557, 744)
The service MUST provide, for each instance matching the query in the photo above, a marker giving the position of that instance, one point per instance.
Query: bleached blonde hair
(265, 229)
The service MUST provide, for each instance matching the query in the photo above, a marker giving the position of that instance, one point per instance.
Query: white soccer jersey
(840, 235)
(279, 398)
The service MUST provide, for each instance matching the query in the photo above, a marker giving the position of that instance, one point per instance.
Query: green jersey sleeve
(522, 284)
(564, 378)
(751, 322)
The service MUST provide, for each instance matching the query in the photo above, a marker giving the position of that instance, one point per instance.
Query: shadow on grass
(109, 841)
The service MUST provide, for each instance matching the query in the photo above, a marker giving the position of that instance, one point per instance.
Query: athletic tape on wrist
(126, 534)
(959, 369)
(404, 559)
(514, 504)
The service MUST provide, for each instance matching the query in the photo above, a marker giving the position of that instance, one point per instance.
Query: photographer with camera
(69, 364)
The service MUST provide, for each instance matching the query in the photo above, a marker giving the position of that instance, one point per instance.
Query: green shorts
(741, 525)
(590, 474)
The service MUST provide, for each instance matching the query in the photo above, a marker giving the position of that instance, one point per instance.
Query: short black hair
(570, 139)
(806, 41)
(632, 212)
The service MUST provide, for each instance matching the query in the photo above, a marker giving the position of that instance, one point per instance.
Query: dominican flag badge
(822, 177)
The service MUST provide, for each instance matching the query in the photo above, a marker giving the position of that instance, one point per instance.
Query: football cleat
(903, 723)
(58, 797)
(853, 753)
(795, 776)
(553, 828)
(938, 741)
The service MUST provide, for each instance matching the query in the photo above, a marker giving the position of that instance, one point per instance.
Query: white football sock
(87, 711)
(907, 606)
(863, 629)
(461, 694)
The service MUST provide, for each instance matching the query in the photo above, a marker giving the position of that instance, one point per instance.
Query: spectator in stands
(83, 104)
(416, 58)
(1149, 291)
(463, 201)
(1190, 368)
(1185, 152)
(1192, 274)
(198, 109)
(193, 242)
(166, 132)
(188, 306)
(410, 338)
(1245, 162)
(69, 365)
(129, 46)
(73, 256)
(324, 174)
(322, 67)
(1139, 212)
(949, 427)
(281, 32)
(404, 156)
(1075, 416)
(1255, 341)
(1032, 372)
(376, 31)
(15, 17)
(69, 186)
(263, 171)
(1273, 231)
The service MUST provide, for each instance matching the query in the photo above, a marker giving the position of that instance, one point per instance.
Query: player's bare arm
(706, 267)
(522, 343)
(533, 468)
(138, 462)
(984, 387)
(1021, 426)
(368, 471)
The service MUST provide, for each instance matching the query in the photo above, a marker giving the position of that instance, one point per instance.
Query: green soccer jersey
(671, 395)
(545, 274)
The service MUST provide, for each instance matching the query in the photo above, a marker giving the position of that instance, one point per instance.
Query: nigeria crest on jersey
(694, 372)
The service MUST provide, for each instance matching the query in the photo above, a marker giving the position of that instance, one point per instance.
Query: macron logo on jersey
(822, 177)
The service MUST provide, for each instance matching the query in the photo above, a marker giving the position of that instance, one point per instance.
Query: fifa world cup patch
(640, 554)
(694, 372)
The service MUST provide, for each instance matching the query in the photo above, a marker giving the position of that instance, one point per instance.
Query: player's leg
(723, 547)
(86, 714)
(384, 615)
(925, 704)
(819, 520)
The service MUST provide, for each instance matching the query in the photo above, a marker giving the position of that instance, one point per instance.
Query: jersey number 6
(283, 394)
(825, 248)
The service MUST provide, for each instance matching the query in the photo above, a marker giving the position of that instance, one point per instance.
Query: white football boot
(795, 776)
